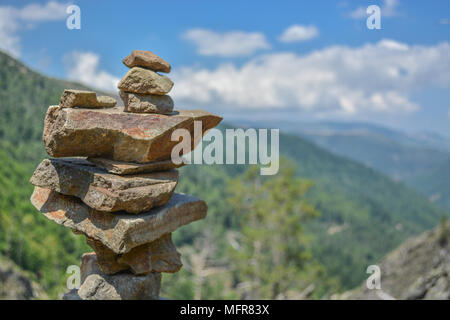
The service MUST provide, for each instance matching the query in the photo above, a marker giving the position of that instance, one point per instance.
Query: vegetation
(272, 255)
(261, 253)
(443, 232)
(36, 245)
(28, 238)
(435, 183)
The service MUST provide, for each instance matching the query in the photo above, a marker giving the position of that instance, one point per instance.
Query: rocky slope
(15, 284)
(418, 269)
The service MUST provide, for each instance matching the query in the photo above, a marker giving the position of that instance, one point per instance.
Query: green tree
(270, 257)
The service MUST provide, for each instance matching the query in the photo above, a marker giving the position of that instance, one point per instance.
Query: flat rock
(127, 168)
(85, 99)
(106, 101)
(106, 258)
(138, 103)
(117, 135)
(145, 81)
(157, 256)
(146, 59)
(97, 285)
(119, 232)
(104, 191)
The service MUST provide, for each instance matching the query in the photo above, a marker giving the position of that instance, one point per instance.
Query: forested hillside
(384, 154)
(362, 214)
(25, 236)
(436, 184)
(420, 160)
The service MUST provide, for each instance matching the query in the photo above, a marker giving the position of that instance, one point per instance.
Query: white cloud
(84, 67)
(9, 40)
(358, 13)
(299, 33)
(388, 9)
(227, 44)
(51, 11)
(13, 19)
(377, 77)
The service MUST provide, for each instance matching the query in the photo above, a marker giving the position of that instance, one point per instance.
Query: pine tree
(272, 259)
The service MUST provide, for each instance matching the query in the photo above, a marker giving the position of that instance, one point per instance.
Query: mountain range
(420, 160)
(365, 213)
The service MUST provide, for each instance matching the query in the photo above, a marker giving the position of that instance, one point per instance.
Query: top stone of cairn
(146, 59)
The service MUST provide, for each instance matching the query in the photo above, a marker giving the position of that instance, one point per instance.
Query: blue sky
(305, 60)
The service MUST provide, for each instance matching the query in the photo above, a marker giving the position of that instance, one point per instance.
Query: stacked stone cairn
(111, 179)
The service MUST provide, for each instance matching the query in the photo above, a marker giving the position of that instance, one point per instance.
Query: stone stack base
(97, 285)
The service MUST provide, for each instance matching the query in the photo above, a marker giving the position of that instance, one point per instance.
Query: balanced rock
(152, 103)
(96, 285)
(117, 135)
(127, 168)
(156, 256)
(119, 232)
(106, 101)
(146, 59)
(106, 258)
(103, 191)
(145, 81)
(85, 99)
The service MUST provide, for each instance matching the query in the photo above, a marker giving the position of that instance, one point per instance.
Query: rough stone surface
(97, 285)
(127, 168)
(106, 101)
(89, 265)
(114, 134)
(417, 270)
(119, 232)
(138, 103)
(157, 256)
(146, 59)
(104, 191)
(144, 81)
(106, 258)
(85, 99)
